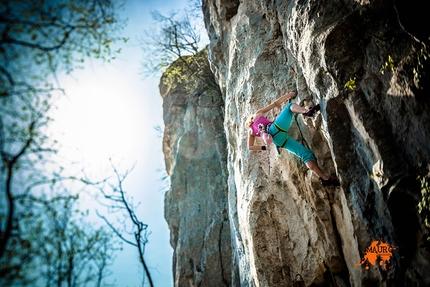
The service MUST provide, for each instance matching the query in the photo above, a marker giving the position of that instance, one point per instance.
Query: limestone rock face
(196, 206)
(373, 134)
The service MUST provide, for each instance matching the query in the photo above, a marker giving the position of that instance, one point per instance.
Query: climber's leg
(295, 108)
(298, 149)
(307, 156)
(313, 166)
(286, 117)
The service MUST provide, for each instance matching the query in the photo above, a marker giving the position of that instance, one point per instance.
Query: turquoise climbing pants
(281, 138)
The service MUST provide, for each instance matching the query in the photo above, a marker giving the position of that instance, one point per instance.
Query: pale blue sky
(111, 111)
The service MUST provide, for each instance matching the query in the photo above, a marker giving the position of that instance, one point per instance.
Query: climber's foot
(330, 182)
(312, 110)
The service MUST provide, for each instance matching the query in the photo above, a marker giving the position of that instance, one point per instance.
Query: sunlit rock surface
(196, 206)
(285, 228)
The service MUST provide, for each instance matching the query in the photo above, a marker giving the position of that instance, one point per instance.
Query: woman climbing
(258, 125)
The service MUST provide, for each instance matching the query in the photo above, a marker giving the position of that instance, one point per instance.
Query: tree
(72, 252)
(60, 244)
(21, 145)
(115, 198)
(37, 39)
(40, 37)
(177, 50)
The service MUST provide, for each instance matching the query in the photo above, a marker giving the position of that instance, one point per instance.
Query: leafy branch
(177, 50)
(389, 64)
(351, 84)
(424, 205)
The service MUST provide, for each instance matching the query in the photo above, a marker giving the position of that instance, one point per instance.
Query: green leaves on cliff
(419, 70)
(424, 205)
(351, 84)
(177, 50)
(190, 71)
(389, 64)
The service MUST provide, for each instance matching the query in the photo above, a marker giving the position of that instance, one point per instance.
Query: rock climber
(277, 131)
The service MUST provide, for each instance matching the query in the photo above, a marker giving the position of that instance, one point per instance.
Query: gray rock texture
(196, 206)
(282, 227)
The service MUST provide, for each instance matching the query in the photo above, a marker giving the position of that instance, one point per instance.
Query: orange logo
(377, 250)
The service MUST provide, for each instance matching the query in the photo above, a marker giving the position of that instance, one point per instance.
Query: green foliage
(41, 37)
(38, 39)
(389, 64)
(351, 84)
(16, 262)
(419, 70)
(424, 205)
(187, 71)
(176, 50)
(58, 243)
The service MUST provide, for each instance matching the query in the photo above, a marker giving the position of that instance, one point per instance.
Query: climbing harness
(263, 131)
(278, 130)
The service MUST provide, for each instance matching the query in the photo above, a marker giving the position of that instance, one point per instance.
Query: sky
(111, 111)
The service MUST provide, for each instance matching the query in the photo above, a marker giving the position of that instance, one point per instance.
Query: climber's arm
(285, 97)
(275, 103)
(260, 112)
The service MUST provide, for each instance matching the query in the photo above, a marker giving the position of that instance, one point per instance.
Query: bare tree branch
(115, 230)
(176, 50)
(118, 198)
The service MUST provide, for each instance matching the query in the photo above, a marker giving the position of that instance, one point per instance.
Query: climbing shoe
(330, 182)
(312, 110)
